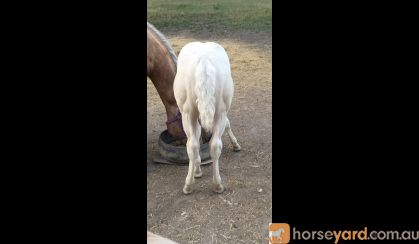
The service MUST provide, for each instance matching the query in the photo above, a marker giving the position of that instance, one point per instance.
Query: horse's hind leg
(197, 169)
(216, 146)
(233, 140)
(193, 132)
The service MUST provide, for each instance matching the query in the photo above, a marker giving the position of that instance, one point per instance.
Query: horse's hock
(177, 153)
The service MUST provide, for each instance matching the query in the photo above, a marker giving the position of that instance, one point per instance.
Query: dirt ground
(243, 212)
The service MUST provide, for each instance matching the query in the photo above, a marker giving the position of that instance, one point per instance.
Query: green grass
(211, 16)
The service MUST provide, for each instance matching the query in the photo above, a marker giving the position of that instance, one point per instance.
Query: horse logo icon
(279, 233)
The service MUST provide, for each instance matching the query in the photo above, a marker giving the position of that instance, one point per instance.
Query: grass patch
(211, 16)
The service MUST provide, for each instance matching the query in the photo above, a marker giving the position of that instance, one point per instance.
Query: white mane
(164, 41)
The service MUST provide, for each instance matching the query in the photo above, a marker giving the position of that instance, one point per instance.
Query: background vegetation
(211, 16)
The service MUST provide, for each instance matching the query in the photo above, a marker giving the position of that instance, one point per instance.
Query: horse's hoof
(219, 188)
(198, 175)
(187, 189)
(237, 148)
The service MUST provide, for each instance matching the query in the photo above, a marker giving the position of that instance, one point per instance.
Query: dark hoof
(237, 149)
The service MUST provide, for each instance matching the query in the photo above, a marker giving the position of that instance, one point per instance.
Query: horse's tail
(205, 75)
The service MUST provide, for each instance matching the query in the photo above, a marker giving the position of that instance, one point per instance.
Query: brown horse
(161, 69)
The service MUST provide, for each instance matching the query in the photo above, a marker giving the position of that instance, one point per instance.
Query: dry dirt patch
(242, 213)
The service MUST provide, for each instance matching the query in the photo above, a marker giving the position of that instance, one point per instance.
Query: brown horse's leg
(164, 87)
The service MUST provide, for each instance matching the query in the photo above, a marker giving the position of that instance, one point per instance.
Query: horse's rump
(207, 69)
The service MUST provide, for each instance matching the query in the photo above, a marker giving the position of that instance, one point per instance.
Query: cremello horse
(204, 90)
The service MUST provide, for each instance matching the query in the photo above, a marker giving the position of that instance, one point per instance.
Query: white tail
(205, 92)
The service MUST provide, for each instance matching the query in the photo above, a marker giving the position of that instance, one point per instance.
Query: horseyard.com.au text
(364, 234)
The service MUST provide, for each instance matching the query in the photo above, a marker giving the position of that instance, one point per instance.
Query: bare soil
(243, 212)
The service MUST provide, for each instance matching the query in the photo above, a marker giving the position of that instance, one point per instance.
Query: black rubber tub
(178, 154)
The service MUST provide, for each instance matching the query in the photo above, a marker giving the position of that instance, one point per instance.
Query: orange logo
(279, 233)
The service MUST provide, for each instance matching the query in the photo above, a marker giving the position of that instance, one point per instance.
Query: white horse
(203, 89)
(277, 234)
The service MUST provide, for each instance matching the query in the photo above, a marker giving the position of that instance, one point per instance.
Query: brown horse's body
(161, 69)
